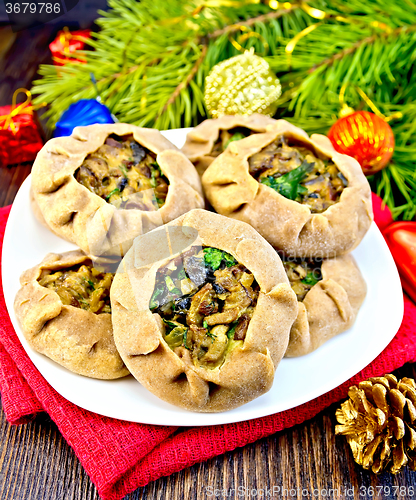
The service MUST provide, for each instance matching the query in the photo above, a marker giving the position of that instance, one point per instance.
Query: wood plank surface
(305, 462)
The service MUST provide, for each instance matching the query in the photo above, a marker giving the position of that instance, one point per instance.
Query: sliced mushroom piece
(225, 278)
(123, 183)
(195, 269)
(97, 166)
(260, 161)
(110, 141)
(239, 297)
(204, 296)
(218, 345)
(242, 327)
(176, 336)
(138, 152)
(208, 306)
(225, 317)
(195, 336)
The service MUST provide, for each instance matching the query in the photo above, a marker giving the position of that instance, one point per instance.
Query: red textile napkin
(121, 456)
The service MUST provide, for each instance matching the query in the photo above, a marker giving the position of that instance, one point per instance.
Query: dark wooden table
(306, 462)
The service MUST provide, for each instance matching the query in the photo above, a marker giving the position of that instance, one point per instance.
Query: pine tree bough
(150, 60)
(185, 83)
(365, 41)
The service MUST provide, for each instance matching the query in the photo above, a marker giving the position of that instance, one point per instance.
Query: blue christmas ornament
(83, 112)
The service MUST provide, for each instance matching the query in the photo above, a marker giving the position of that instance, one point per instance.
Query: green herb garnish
(171, 324)
(185, 339)
(182, 274)
(310, 279)
(214, 258)
(155, 172)
(205, 324)
(231, 331)
(154, 303)
(212, 336)
(288, 185)
(114, 191)
(169, 283)
(173, 289)
(236, 137)
(90, 283)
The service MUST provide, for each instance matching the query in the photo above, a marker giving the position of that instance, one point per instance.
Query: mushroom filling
(303, 274)
(297, 173)
(227, 136)
(206, 300)
(119, 169)
(81, 286)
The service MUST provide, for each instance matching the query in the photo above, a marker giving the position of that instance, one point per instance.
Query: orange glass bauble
(366, 137)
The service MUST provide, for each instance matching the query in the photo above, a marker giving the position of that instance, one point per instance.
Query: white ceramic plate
(297, 380)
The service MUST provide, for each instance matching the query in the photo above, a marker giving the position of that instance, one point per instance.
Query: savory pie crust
(80, 216)
(287, 224)
(200, 140)
(248, 370)
(330, 307)
(77, 339)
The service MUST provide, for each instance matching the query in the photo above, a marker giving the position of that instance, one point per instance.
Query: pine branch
(365, 41)
(185, 82)
(150, 60)
(217, 33)
(380, 64)
(264, 18)
(122, 57)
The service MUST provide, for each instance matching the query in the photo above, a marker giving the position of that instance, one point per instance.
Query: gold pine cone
(378, 421)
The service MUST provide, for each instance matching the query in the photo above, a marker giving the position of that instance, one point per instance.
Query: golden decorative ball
(242, 85)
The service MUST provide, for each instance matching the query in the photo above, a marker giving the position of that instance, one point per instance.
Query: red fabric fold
(122, 456)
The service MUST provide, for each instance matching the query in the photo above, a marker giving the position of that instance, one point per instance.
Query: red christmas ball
(366, 137)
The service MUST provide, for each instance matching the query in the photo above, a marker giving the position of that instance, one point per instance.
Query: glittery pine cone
(378, 421)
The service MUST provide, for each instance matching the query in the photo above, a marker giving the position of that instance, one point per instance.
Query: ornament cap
(345, 111)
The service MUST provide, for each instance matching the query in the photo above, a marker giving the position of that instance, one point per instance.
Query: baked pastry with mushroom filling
(204, 326)
(211, 137)
(64, 311)
(295, 172)
(298, 192)
(206, 301)
(121, 167)
(106, 184)
(330, 293)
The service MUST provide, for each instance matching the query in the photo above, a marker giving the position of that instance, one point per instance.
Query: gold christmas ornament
(242, 85)
(378, 421)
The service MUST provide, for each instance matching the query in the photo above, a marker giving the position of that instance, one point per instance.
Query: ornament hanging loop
(245, 36)
(17, 108)
(347, 110)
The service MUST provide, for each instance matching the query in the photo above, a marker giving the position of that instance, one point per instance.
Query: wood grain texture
(305, 462)
(19, 64)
